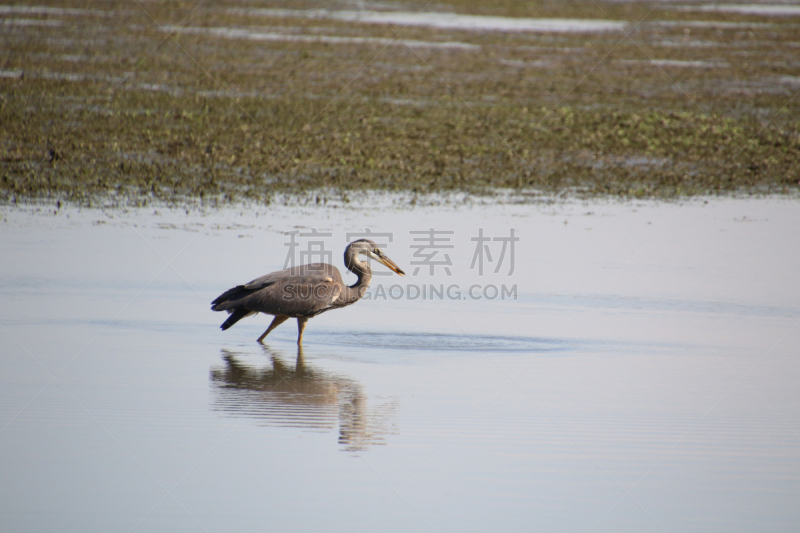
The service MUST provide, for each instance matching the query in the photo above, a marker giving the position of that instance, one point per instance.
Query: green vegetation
(112, 108)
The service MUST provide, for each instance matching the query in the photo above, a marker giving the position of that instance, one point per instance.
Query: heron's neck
(364, 273)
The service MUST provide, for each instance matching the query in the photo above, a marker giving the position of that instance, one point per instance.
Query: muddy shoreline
(220, 103)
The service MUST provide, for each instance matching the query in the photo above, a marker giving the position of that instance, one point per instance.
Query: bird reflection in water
(300, 397)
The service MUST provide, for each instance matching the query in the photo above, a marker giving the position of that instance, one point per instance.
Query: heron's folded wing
(265, 281)
(233, 297)
(296, 296)
(299, 274)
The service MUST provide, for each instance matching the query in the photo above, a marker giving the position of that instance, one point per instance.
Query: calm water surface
(640, 374)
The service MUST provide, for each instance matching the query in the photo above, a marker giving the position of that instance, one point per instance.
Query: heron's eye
(377, 251)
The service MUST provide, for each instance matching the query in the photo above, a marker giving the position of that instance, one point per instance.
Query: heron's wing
(314, 270)
(297, 296)
(264, 281)
(231, 298)
(300, 291)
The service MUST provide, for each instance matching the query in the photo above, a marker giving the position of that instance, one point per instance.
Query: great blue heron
(302, 292)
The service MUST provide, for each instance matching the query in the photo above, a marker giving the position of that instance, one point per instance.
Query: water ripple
(446, 342)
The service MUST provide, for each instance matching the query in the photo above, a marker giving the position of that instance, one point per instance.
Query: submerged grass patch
(107, 104)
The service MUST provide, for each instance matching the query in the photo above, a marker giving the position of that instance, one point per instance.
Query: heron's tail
(236, 316)
(227, 296)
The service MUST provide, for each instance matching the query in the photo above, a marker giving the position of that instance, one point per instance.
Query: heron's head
(370, 249)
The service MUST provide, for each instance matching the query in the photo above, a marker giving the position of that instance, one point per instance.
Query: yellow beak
(389, 263)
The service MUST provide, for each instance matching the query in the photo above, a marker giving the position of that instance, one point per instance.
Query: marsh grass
(107, 106)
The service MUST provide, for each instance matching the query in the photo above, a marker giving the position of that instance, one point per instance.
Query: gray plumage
(302, 292)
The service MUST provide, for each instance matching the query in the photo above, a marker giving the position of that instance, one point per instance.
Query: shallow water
(780, 10)
(643, 377)
(238, 33)
(448, 21)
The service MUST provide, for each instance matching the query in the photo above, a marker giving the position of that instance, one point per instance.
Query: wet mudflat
(635, 370)
(227, 99)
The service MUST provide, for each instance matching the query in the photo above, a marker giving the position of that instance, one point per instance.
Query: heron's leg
(301, 325)
(277, 321)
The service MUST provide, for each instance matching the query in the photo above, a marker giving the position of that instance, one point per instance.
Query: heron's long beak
(389, 263)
